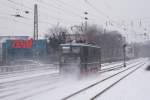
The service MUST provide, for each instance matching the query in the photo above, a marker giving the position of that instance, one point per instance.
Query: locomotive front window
(68, 50)
(65, 49)
(70, 54)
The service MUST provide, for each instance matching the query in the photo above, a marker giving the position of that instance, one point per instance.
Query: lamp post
(124, 55)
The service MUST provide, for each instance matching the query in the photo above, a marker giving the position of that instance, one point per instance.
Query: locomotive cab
(79, 59)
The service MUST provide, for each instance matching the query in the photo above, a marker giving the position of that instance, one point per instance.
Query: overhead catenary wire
(67, 11)
(14, 20)
(6, 6)
(43, 12)
(56, 8)
(97, 10)
(21, 6)
(57, 1)
(110, 20)
(65, 4)
(48, 5)
(16, 3)
(23, 22)
(76, 9)
(59, 8)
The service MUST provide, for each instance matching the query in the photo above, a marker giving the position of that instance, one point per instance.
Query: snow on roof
(79, 44)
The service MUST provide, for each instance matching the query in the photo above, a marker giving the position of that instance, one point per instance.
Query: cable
(102, 13)
(41, 12)
(6, 18)
(67, 5)
(63, 10)
(97, 10)
(22, 5)
(6, 6)
(63, 4)
(49, 15)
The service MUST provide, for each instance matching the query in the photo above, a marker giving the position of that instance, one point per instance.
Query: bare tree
(111, 42)
(56, 35)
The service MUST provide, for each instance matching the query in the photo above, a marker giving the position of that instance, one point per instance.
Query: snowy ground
(47, 85)
(134, 87)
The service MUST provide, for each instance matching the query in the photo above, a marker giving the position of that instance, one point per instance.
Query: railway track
(33, 73)
(10, 74)
(2, 73)
(106, 89)
(84, 91)
(120, 62)
(17, 86)
(116, 67)
(13, 89)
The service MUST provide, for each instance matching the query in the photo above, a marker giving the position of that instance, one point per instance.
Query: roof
(80, 44)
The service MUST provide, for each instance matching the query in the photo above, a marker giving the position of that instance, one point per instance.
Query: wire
(97, 10)
(6, 18)
(66, 4)
(102, 13)
(76, 9)
(58, 8)
(51, 16)
(21, 5)
(45, 13)
(6, 6)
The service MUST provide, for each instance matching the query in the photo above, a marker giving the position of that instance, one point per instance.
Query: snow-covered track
(80, 92)
(117, 67)
(11, 88)
(106, 89)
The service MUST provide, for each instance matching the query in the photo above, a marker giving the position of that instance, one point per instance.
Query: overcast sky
(130, 14)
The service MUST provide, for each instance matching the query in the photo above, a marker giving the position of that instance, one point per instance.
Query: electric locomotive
(79, 59)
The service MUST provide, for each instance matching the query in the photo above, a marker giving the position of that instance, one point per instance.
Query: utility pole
(124, 55)
(35, 35)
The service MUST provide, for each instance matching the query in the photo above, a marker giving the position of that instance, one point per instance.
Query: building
(23, 49)
(4, 39)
